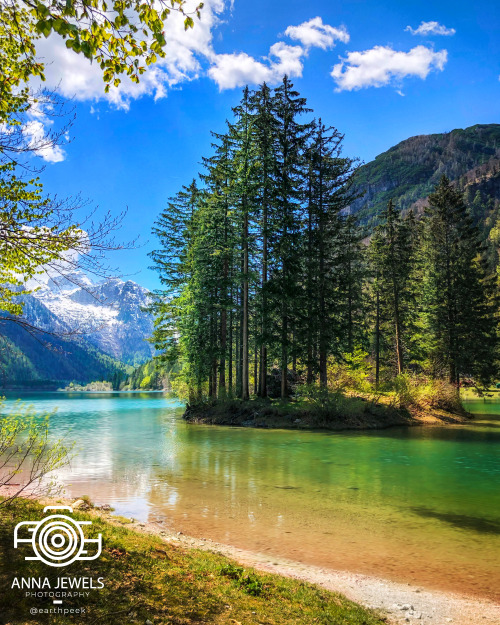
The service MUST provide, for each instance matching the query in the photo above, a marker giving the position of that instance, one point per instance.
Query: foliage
(30, 359)
(408, 391)
(29, 240)
(351, 372)
(458, 293)
(152, 375)
(238, 256)
(118, 36)
(39, 233)
(394, 266)
(28, 457)
(99, 387)
(251, 584)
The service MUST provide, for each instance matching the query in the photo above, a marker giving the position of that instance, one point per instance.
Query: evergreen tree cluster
(267, 278)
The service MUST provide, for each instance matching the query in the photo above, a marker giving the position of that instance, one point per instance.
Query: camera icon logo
(57, 540)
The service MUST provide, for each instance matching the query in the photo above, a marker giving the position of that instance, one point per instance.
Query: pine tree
(289, 172)
(393, 257)
(458, 302)
(175, 229)
(265, 133)
(331, 253)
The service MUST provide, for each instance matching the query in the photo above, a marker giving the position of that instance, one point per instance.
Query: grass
(147, 579)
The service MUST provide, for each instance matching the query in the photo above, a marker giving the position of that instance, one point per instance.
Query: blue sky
(137, 146)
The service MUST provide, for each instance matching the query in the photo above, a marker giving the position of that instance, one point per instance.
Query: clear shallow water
(420, 505)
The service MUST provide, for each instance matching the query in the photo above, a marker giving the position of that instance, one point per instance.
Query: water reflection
(365, 501)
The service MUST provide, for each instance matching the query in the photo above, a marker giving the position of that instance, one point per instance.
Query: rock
(79, 504)
(106, 507)
(148, 622)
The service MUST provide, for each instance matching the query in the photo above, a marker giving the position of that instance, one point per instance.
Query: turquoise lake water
(417, 504)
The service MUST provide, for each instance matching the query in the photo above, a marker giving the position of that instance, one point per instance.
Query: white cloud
(37, 133)
(40, 143)
(316, 34)
(431, 28)
(239, 69)
(382, 65)
(75, 77)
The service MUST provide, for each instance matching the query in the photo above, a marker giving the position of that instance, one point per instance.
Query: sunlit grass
(149, 579)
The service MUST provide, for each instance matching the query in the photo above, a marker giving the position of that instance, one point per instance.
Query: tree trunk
(263, 349)
(230, 351)
(310, 294)
(377, 343)
(245, 393)
(256, 367)
(397, 325)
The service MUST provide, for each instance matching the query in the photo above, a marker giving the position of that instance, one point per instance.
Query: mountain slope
(86, 332)
(108, 314)
(38, 359)
(407, 172)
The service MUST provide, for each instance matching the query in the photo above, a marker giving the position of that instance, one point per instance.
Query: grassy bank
(147, 579)
(334, 411)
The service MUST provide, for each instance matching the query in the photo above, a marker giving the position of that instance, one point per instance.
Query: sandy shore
(399, 603)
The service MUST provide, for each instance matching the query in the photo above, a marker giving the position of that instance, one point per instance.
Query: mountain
(30, 359)
(108, 314)
(407, 173)
(85, 331)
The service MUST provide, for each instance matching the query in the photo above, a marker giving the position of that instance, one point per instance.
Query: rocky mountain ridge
(108, 314)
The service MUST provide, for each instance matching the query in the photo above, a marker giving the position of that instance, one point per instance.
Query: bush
(351, 373)
(27, 456)
(418, 391)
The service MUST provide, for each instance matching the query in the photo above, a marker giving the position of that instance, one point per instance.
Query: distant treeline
(150, 376)
(268, 280)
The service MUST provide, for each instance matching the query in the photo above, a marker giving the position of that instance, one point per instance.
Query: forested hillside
(407, 173)
(38, 360)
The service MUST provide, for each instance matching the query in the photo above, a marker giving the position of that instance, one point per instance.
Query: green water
(418, 504)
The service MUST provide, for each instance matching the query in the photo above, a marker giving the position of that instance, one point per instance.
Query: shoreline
(368, 415)
(399, 602)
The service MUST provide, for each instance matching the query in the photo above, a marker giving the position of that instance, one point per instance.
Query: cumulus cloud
(236, 70)
(431, 28)
(40, 143)
(382, 65)
(315, 34)
(75, 77)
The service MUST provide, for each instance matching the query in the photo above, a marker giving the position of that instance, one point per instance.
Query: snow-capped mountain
(107, 314)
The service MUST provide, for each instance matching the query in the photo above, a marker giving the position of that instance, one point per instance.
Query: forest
(271, 288)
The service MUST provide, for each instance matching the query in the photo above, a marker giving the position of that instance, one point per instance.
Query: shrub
(27, 456)
(413, 390)
(351, 373)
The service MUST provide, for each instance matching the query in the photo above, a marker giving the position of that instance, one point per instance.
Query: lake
(420, 505)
